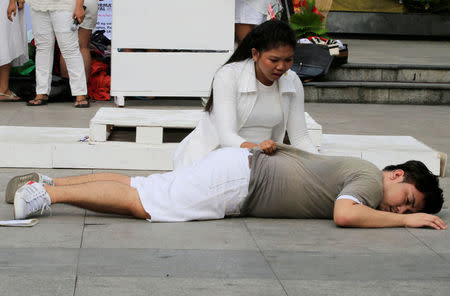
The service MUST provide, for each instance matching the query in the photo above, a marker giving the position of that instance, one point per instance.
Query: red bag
(99, 84)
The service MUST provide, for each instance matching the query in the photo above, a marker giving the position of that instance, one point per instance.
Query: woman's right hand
(11, 10)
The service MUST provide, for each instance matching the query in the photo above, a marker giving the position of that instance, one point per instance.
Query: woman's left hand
(268, 147)
(11, 10)
(79, 13)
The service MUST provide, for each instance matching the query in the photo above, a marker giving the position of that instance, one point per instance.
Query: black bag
(311, 61)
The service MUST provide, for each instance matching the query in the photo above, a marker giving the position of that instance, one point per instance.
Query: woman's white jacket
(235, 94)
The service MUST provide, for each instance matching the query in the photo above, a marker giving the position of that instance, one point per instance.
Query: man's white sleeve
(349, 197)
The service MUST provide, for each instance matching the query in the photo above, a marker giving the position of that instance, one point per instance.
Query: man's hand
(268, 147)
(79, 13)
(424, 220)
(348, 213)
(11, 10)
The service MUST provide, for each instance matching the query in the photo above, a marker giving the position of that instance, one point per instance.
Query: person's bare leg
(4, 83)
(92, 178)
(4, 77)
(102, 196)
(84, 38)
(241, 30)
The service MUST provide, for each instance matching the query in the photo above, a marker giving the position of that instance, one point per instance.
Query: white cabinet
(195, 38)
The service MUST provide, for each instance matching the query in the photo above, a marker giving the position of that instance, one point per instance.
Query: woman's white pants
(45, 25)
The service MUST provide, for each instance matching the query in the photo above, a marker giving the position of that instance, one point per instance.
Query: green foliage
(307, 23)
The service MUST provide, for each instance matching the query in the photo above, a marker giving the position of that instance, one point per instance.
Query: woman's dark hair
(417, 174)
(269, 35)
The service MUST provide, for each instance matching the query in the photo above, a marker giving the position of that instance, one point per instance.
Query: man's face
(400, 197)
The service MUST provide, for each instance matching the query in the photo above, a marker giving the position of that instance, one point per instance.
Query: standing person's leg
(4, 77)
(241, 30)
(84, 38)
(44, 39)
(5, 93)
(70, 50)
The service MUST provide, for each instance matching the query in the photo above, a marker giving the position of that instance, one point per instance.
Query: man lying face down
(236, 182)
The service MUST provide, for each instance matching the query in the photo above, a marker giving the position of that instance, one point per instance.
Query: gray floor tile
(367, 288)
(324, 236)
(111, 286)
(356, 267)
(229, 234)
(42, 235)
(60, 262)
(173, 263)
(37, 285)
(437, 240)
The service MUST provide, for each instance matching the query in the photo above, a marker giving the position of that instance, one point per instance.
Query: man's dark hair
(268, 35)
(417, 174)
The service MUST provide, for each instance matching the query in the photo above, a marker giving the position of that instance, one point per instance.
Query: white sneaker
(18, 181)
(30, 199)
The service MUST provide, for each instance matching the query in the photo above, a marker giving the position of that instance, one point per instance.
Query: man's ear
(397, 175)
(255, 54)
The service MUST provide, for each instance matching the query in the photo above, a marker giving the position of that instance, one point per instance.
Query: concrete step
(390, 73)
(378, 92)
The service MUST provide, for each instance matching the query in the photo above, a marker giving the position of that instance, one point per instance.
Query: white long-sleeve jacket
(235, 94)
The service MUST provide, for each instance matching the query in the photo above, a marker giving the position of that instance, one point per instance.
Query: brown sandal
(12, 97)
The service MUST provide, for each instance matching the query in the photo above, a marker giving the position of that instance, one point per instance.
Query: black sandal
(38, 102)
(82, 105)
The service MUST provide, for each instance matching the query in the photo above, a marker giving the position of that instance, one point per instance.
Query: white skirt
(211, 188)
(13, 37)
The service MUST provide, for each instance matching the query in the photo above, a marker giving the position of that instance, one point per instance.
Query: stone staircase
(382, 84)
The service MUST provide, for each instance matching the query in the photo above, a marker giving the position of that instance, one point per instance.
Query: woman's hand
(79, 13)
(20, 5)
(11, 10)
(268, 147)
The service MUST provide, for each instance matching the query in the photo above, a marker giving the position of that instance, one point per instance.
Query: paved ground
(77, 252)
(418, 52)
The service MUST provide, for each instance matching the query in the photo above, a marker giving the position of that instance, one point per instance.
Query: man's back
(296, 184)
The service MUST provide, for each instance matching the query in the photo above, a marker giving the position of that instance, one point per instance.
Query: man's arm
(348, 213)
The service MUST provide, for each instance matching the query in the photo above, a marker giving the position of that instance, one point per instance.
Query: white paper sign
(104, 19)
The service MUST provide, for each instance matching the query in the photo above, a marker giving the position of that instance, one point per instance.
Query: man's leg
(92, 178)
(100, 196)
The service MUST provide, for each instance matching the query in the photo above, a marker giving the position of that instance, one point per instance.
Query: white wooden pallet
(150, 123)
(60, 148)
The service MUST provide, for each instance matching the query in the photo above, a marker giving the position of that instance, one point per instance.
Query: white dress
(13, 37)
